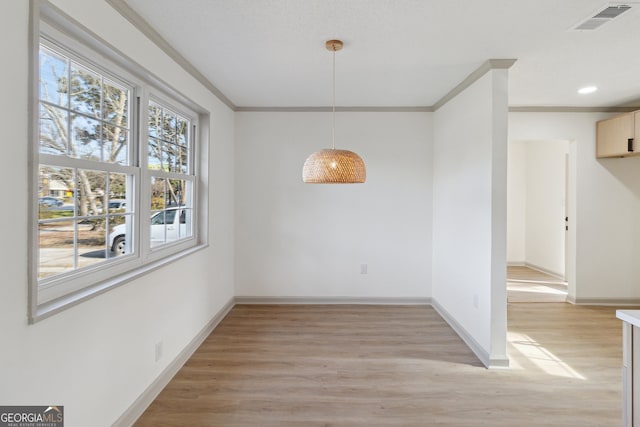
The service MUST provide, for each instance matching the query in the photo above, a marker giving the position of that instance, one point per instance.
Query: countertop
(630, 316)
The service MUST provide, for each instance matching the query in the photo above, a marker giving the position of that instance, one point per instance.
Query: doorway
(537, 221)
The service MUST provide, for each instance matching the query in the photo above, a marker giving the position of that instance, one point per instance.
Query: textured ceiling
(400, 53)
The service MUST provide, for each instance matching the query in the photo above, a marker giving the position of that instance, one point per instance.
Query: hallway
(526, 284)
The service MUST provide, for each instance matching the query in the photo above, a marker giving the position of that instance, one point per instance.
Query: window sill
(56, 306)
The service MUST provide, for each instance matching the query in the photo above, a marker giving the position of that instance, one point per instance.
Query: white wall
(309, 240)
(516, 202)
(546, 188)
(536, 204)
(604, 227)
(97, 357)
(469, 215)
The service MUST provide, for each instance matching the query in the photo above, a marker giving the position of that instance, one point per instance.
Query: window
(169, 165)
(85, 161)
(116, 181)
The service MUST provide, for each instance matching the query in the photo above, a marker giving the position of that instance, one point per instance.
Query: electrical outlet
(158, 350)
(363, 268)
(475, 300)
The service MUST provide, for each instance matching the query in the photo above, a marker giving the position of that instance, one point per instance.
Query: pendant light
(331, 166)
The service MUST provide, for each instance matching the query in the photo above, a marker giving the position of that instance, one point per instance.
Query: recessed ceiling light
(587, 89)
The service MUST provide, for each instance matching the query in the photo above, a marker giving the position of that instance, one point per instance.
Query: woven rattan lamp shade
(331, 166)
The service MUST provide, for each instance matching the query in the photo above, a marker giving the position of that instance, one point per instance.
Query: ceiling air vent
(604, 15)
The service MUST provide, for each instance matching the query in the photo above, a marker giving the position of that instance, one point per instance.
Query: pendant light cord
(333, 132)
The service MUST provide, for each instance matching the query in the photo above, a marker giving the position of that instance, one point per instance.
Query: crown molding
(491, 64)
(543, 109)
(426, 109)
(143, 26)
(338, 109)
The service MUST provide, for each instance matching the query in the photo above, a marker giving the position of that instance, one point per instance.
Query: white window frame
(57, 293)
(147, 174)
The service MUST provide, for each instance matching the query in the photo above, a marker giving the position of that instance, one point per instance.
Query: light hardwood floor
(522, 273)
(525, 284)
(363, 365)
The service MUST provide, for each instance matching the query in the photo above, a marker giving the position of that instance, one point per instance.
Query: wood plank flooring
(536, 292)
(363, 365)
(522, 273)
(525, 284)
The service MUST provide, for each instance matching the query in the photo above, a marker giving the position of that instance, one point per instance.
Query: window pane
(185, 224)
(54, 75)
(86, 141)
(55, 190)
(91, 185)
(155, 119)
(166, 193)
(168, 147)
(118, 193)
(175, 157)
(155, 159)
(157, 194)
(164, 226)
(169, 127)
(176, 192)
(169, 156)
(159, 218)
(181, 165)
(120, 227)
(115, 104)
(172, 215)
(182, 131)
(167, 196)
(85, 91)
(56, 249)
(170, 225)
(158, 230)
(115, 145)
(53, 130)
(91, 242)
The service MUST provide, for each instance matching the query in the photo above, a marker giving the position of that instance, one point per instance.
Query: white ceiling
(400, 53)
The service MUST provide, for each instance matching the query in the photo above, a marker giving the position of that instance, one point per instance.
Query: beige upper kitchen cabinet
(618, 136)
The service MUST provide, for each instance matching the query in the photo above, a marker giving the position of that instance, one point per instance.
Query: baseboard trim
(604, 301)
(544, 270)
(256, 300)
(143, 401)
(481, 353)
(516, 263)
